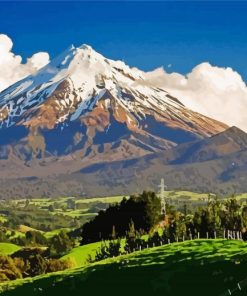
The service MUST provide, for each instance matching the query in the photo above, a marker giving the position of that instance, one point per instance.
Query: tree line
(144, 210)
(138, 216)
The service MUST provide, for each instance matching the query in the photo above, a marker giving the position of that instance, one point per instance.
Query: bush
(107, 250)
(34, 258)
(54, 265)
(60, 244)
(8, 269)
(36, 238)
(26, 253)
(155, 239)
(3, 277)
(37, 265)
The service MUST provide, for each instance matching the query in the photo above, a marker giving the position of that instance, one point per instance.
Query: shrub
(60, 244)
(36, 238)
(8, 268)
(107, 250)
(37, 265)
(54, 265)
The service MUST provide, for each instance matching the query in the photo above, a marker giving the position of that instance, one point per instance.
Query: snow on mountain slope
(83, 69)
(73, 83)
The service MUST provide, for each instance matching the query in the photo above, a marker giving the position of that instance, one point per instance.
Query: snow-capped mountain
(82, 109)
(80, 79)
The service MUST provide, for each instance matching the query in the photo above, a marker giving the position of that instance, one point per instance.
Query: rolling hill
(176, 269)
(215, 164)
(8, 248)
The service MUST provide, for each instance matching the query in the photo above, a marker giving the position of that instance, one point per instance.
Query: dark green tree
(144, 210)
(61, 243)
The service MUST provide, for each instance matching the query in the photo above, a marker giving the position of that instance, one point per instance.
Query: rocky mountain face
(85, 124)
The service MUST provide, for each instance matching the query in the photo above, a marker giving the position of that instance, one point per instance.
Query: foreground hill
(200, 267)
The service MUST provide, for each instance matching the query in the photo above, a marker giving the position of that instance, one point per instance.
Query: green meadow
(199, 267)
(8, 248)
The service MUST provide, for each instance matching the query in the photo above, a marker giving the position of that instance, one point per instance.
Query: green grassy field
(200, 267)
(84, 205)
(186, 195)
(196, 197)
(110, 199)
(50, 234)
(2, 219)
(52, 214)
(86, 208)
(8, 249)
(45, 202)
(80, 254)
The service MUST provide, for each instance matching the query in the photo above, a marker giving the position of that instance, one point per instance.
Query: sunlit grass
(200, 267)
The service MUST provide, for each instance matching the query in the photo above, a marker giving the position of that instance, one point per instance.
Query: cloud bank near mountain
(12, 68)
(217, 92)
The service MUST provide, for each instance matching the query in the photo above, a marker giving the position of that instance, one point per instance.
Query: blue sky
(143, 34)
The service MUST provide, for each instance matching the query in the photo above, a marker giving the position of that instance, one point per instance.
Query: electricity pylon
(162, 196)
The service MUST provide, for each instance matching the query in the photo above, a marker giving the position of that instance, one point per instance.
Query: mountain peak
(86, 46)
(234, 129)
(232, 133)
(79, 80)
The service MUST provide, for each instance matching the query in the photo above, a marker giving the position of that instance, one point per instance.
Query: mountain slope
(226, 143)
(80, 79)
(217, 164)
(95, 97)
(83, 109)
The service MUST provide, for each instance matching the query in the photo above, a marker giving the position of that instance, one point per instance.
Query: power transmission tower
(162, 196)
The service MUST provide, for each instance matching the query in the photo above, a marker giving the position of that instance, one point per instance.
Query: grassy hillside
(200, 267)
(50, 234)
(8, 249)
(80, 254)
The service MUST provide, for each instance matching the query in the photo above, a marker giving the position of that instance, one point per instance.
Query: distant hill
(216, 164)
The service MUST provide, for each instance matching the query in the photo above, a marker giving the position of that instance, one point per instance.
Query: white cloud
(217, 92)
(11, 67)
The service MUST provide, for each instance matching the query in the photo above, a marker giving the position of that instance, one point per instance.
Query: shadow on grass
(184, 278)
